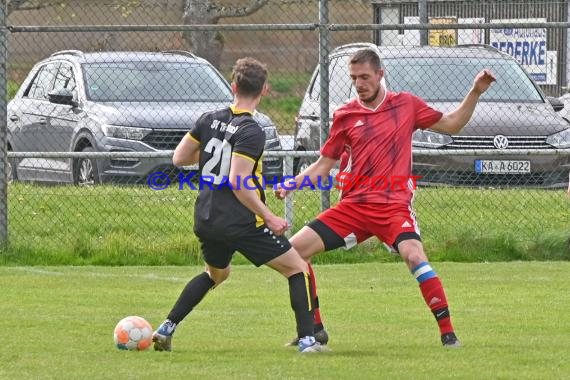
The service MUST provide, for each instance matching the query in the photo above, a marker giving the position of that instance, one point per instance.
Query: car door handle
(42, 121)
(14, 118)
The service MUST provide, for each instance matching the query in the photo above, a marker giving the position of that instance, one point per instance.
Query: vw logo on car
(501, 142)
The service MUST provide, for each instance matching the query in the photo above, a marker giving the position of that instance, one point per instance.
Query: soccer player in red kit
(376, 129)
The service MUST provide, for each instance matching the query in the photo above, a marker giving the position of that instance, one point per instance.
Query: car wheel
(11, 170)
(302, 164)
(85, 170)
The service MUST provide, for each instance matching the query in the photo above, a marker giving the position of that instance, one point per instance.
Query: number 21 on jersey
(221, 152)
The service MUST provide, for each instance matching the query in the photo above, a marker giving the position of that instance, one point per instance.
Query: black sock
(300, 293)
(191, 296)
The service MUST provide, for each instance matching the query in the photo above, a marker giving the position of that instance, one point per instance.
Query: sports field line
(149, 276)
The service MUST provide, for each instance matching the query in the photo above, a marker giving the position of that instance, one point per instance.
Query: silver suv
(513, 114)
(114, 102)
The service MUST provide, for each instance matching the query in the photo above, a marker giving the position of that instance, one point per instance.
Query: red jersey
(380, 143)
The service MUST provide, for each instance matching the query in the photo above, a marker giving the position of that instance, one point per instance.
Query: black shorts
(258, 244)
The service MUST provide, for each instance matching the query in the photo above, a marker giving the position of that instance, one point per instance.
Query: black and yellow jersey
(222, 134)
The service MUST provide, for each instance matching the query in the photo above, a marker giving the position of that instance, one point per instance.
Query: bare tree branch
(240, 11)
(22, 5)
(15, 5)
(209, 44)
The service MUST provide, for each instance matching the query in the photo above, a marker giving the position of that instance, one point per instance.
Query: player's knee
(300, 266)
(415, 259)
(413, 255)
(294, 265)
(302, 248)
(218, 279)
(294, 269)
(307, 243)
(306, 255)
(219, 275)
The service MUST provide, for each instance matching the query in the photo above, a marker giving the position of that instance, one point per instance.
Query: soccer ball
(133, 333)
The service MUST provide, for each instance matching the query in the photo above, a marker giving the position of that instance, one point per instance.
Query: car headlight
(428, 139)
(121, 132)
(270, 133)
(559, 140)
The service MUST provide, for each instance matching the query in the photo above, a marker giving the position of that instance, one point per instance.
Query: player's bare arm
(320, 168)
(187, 152)
(240, 169)
(452, 122)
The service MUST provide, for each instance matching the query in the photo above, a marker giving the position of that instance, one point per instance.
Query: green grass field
(134, 225)
(513, 319)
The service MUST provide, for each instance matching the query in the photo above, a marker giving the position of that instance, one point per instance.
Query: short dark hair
(249, 75)
(366, 56)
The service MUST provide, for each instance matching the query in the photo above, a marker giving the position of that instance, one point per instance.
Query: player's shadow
(351, 353)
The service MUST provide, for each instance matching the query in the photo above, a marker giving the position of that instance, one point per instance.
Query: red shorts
(356, 222)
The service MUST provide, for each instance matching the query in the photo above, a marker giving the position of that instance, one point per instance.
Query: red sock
(318, 321)
(435, 298)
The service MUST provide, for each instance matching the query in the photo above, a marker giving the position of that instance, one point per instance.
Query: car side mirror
(62, 96)
(556, 103)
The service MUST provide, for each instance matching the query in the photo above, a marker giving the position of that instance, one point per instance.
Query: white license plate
(502, 166)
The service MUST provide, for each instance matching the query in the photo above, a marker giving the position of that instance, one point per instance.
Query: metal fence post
(324, 48)
(423, 13)
(289, 213)
(3, 128)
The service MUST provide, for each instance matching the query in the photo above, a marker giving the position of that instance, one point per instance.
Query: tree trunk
(208, 45)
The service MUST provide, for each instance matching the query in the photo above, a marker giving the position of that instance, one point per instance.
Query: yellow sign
(443, 37)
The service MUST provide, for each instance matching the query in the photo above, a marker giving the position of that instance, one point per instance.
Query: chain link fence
(100, 93)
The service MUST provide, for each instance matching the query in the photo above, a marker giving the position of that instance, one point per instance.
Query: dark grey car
(114, 102)
(513, 114)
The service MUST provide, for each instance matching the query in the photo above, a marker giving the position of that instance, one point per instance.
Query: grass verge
(135, 225)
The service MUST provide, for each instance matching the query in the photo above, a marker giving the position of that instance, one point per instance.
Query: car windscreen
(449, 79)
(154, 82)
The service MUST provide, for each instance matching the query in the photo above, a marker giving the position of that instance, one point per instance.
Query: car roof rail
(355, 45)
(486, 47)
(480, 46)
(180, 52)
(78, 53)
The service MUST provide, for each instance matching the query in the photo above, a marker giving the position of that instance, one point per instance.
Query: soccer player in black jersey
(230, 213)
